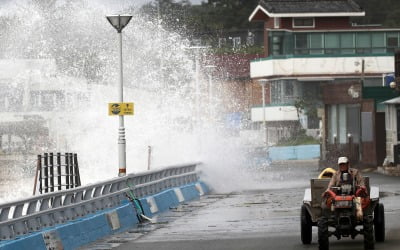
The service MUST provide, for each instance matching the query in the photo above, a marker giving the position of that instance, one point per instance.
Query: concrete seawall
(82, 231)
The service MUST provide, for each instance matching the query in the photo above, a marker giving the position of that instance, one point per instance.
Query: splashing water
(78, 50)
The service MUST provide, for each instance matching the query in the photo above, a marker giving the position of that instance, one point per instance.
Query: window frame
(303, 26)
(306, 43)
(277, 22)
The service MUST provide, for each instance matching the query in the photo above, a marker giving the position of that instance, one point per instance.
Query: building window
(347, 43)
(343, 120)
(363, 43)
(392, 41)
(283, 92)
(305, 22)
(332, 43)
(196, 42)
(276, 45)
(316, 44)
(301, 43)
(236, 42)
(289, 89)
(277, 22)
(378, 42)
(250, 39)
(221, 42)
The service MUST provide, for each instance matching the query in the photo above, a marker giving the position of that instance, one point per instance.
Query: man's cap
(343, 159)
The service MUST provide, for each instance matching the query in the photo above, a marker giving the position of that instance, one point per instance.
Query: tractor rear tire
(379, 222)
(323, 234)
(369, 241)
(306, 225)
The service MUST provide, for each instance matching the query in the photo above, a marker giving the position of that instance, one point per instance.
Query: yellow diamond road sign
(120, 108)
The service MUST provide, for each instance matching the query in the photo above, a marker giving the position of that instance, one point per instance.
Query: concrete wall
(275, 113)
(302, 152)
(323, 65)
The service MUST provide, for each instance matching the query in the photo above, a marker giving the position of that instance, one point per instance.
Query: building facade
(317, 59)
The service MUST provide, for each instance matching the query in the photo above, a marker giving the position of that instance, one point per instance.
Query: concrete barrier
(82, 231)
(301, 152)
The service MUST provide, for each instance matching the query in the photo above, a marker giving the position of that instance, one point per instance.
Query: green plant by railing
(301, 139)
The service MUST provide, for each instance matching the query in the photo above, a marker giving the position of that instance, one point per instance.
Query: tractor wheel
(306, 225)
(369, 241)
(379, 222)
(323, 234)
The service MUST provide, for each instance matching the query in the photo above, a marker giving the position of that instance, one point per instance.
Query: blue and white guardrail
(72, 218)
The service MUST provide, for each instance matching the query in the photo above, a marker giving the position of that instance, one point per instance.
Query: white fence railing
(29, 215)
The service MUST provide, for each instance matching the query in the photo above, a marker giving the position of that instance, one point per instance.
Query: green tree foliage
(211, 18)
(384, 12)
(216, 17)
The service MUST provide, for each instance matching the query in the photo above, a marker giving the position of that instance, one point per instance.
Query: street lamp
(197, 50)
(263, 82)
(209, 70)
(119, 22)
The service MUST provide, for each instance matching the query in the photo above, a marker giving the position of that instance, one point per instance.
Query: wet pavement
(251, 219)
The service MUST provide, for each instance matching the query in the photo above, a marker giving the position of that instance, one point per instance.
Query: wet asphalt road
(252, 219)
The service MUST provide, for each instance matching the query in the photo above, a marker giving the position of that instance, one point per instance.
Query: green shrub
(301, 139)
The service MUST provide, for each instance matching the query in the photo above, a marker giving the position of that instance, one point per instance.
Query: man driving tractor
(351, 182)
(338, 178)
(348, 208)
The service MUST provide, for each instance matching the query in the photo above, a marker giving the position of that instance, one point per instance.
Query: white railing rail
(29, 215)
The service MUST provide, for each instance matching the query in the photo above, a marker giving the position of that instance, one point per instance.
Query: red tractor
(344, 211)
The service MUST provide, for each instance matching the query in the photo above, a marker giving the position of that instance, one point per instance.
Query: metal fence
(29, 215)
(57, 172)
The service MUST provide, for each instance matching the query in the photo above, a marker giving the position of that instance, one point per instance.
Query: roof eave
(259, 7)
(309, 14)
(395, 100)
(317, 14)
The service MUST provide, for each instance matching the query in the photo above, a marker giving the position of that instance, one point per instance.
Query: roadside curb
(390, 171)
(85, 230)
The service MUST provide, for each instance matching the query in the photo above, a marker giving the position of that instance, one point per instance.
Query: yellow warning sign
(120, 108)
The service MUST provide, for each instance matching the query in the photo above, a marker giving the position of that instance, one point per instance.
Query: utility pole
(361, 103)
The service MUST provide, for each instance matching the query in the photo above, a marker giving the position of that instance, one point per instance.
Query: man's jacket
(354, 173)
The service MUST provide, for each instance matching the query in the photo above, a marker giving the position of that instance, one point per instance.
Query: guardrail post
(59, 171)
(66, 171)
(71, 170)
(46, 172)
(51, 165)
(33, 223)
(38, 175)
(19, 226)
(6, 231)
(77, 175)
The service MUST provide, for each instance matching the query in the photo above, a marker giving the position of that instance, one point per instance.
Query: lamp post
(119, 22)
(197, 50)
(263, 82)
(210, 69)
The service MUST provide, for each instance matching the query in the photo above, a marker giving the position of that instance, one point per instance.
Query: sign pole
(121, 129)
